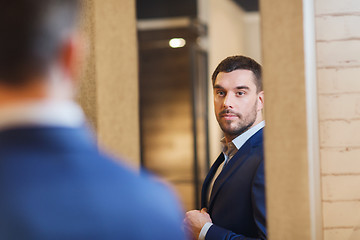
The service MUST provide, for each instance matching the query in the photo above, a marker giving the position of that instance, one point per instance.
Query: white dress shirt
(229, 151)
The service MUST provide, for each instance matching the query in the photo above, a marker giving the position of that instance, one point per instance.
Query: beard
(234, 128)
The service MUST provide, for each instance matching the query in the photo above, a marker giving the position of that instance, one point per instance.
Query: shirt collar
(242, 138)
(42, 113)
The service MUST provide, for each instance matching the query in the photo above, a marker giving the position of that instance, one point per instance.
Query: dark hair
(232, 63)
(32, 32)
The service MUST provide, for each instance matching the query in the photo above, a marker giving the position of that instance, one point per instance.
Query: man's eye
(240, 93)
(220, 93)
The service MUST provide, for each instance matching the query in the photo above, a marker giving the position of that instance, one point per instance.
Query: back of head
(233, 63)
(32, 32)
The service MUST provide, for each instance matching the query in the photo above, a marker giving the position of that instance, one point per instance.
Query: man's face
(237, 105)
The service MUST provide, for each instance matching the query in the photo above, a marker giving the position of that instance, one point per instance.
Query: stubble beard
(234, 128)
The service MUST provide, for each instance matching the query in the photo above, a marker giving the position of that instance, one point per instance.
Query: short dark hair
(32, 32)
(233, 63)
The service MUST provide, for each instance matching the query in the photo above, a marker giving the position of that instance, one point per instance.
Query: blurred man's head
(35, 36)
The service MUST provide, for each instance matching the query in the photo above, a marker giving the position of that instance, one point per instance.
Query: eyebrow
(217, 86)
(243, 87)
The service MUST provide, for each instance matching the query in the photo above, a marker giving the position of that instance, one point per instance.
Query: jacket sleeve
(259, 211)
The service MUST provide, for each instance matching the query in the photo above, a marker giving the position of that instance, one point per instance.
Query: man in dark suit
(54, 181)
(233, 203)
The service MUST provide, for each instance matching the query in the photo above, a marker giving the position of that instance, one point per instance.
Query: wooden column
(109, 90)
(291, 183)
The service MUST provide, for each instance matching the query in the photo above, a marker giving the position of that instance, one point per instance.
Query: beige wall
(252, 36)
(338, 64)
(286, 143)
(109, 89)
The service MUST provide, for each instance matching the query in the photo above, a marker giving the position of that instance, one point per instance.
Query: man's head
(33, 37)
(238, 95)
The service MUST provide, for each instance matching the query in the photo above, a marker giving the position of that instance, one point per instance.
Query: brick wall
(338, 63)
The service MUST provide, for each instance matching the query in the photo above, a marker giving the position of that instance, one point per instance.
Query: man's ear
(70, 56)
(260, 100)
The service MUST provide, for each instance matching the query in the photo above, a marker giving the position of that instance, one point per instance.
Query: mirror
(179, 133)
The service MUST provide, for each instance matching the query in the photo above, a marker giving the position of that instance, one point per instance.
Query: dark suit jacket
(55, 184)
(237, 201)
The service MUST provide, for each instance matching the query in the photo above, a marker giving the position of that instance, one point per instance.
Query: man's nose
(228, 101)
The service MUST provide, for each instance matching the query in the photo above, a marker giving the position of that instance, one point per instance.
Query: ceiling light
(177, 42)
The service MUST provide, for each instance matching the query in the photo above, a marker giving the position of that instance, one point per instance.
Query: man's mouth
(228, 116)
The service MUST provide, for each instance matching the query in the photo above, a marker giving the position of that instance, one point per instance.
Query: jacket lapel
(228, 170)
(236, 162)
(205, 188)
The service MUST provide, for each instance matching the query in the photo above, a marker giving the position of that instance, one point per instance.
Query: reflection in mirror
(180, 137)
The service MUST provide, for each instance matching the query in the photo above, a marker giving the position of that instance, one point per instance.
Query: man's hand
(195, 220)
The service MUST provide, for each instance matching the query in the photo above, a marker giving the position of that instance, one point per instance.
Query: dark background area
(147, 9)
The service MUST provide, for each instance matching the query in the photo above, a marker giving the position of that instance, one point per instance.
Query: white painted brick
(340, 106)
(338, 60)
(341, 187)
(337, 27)
(355, 235)
(340, 133)
(340, 161)
(336, 6)
(341, 214)
(338, 234)
(343, 80)
(338, 53)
